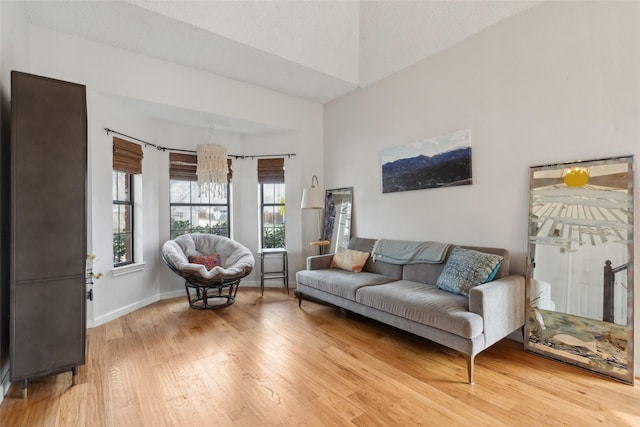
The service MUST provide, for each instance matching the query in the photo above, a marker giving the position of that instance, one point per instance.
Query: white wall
(107, 72)
(559, 82)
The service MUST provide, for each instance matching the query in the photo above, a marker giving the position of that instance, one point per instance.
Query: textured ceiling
(313, 49)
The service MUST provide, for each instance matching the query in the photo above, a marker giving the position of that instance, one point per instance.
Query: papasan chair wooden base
(214, 288)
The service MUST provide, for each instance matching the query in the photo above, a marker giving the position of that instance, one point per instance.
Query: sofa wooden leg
(299, 299)
(470, 361)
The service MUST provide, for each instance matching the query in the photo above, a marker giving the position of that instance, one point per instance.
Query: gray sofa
(405, 296)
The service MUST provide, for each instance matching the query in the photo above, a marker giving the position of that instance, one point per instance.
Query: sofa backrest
(429, 273)
(366, 245)
(424, 273)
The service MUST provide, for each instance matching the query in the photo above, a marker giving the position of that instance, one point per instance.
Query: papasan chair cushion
(236, 262)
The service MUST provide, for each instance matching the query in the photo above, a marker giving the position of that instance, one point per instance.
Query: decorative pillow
(349, 259)
(209, 261)
(466, 269)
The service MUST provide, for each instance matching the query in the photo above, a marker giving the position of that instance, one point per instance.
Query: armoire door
(48, 226)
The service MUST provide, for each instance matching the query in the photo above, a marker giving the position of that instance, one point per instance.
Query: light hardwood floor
(264, 361)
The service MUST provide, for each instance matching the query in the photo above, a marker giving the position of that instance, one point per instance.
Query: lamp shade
(312, 198)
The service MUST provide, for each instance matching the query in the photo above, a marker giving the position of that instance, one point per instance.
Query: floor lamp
(313, 198)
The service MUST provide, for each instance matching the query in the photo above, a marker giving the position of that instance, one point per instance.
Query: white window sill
(127, 269)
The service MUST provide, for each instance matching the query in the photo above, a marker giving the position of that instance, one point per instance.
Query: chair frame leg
(201, 300)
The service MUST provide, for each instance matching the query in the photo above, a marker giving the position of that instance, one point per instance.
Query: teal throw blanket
(406, 252)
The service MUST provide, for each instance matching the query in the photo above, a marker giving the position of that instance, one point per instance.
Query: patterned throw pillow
(209, 261)
(349, 259)
(466, 269)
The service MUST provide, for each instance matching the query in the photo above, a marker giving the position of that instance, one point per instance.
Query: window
(272, 202)
(122, 218)
(195, 210)
(127, 161)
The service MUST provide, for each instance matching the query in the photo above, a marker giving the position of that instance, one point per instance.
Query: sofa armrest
(501, 305)
(319, 262)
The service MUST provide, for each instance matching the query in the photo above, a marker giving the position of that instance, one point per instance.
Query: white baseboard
(125, 310)
(173, 294)
(162, 296)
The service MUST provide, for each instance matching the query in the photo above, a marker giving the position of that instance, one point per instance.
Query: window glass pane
(125, 190)
(200, 218)
(121, 185)
(219, 221)
(119, 249)
(199, 195)
(121, 218)
(114, 185)
(267, 216)
(279, 193)
(180, 191)
(116, 219)
(122, 211)
(181, 219)
(122, 252)
(125, 218)
(269, 193)
(220, 197)
(128, 255)
(273, 215)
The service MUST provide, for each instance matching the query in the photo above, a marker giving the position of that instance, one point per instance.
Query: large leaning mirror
(337, 217)
(580, 265)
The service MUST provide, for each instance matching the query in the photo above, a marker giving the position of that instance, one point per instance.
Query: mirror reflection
(580, 265)
(337, 217)
(580, 239)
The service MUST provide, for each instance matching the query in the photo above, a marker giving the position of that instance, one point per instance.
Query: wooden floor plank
(265, 361)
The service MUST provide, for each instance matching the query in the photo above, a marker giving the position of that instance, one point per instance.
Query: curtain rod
(160, 148)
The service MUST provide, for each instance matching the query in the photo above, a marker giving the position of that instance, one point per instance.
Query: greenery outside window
(122, 187)
(272, 202)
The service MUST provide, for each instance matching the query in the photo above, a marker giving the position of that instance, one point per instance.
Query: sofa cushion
(349, 259)
(209, 261)
(339, 282)
(504, 269)
(466, 269)
(424, 304)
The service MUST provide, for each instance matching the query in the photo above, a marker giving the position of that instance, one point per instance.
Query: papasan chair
(211, 265)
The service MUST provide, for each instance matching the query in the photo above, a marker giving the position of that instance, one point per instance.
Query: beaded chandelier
(212, 168)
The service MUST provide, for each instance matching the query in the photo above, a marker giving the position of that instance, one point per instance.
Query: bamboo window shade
(127, 156)
(183, 167)
(271, 171)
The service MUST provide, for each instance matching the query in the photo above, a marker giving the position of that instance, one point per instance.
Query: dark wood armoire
(48, 227)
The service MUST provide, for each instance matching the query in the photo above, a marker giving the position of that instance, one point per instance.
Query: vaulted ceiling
(315, 49)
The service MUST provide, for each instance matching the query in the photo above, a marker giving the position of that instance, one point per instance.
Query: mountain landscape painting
(441, 161)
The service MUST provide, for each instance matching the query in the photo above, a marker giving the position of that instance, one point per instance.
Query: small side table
(321, 244)
(276, 274)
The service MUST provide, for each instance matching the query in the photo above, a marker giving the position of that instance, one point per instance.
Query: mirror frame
(571, 338)
(331, 217)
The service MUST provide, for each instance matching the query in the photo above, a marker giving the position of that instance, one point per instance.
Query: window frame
(192, 205)
(131, 223)
(262, 211)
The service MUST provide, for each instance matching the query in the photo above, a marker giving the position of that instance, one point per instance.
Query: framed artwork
(441, 161)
